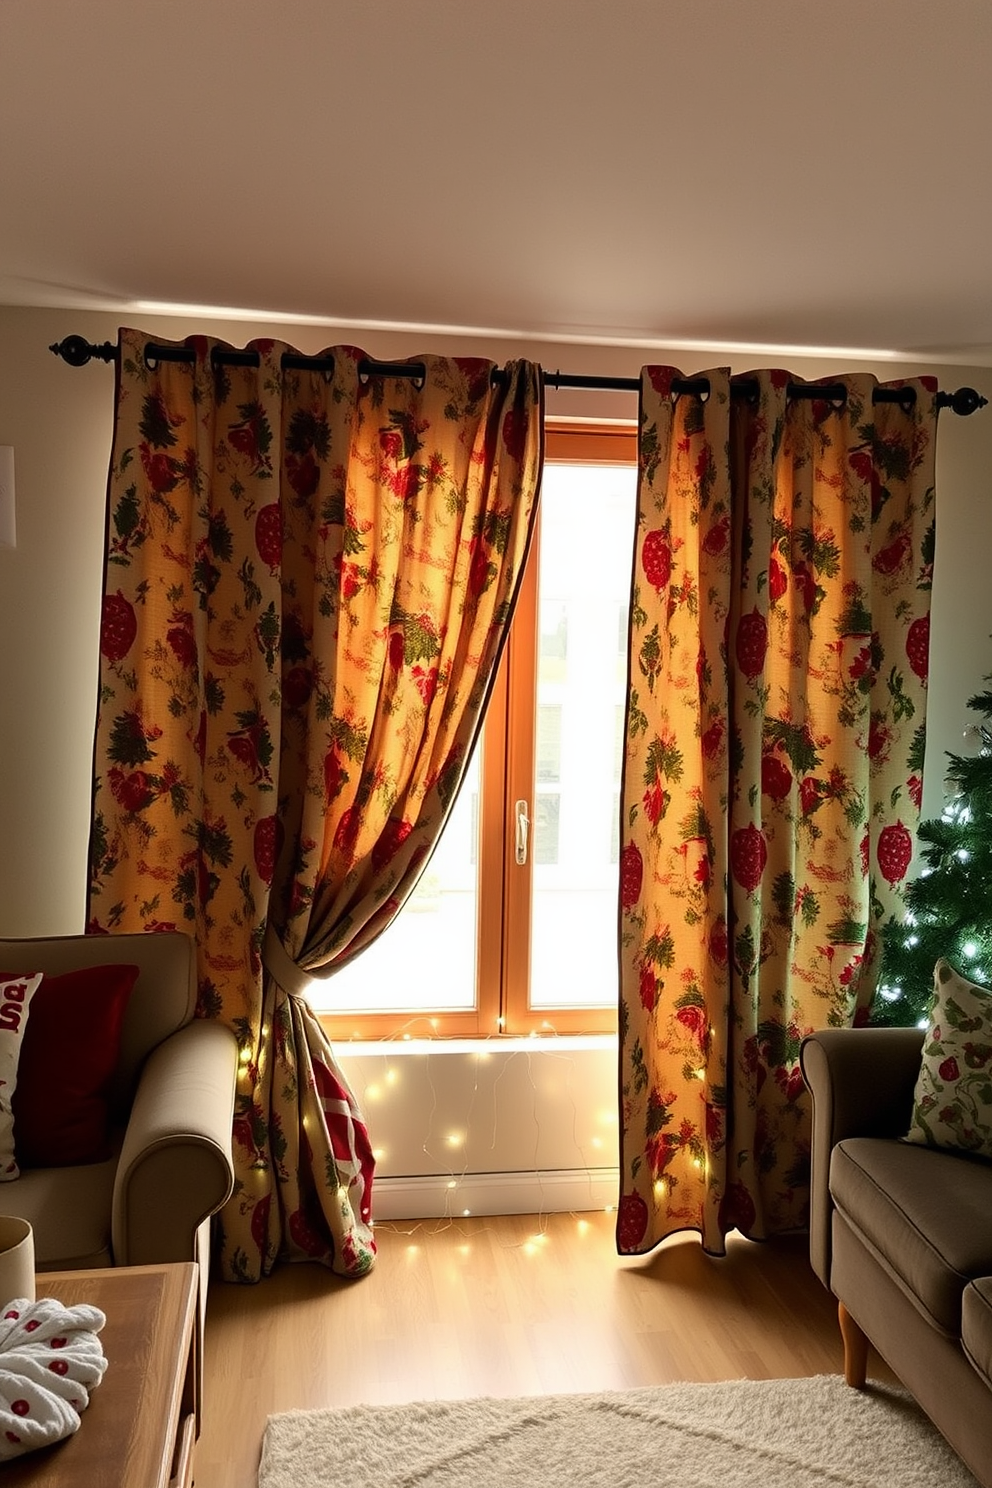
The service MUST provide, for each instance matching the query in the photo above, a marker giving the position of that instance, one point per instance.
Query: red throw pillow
(68, 1056)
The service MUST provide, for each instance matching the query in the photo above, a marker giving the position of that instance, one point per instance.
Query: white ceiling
(774, 173)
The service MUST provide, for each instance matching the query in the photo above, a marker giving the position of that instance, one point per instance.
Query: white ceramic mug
(16, 1259)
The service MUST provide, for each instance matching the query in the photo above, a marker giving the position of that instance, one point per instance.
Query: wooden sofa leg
(855, 1349)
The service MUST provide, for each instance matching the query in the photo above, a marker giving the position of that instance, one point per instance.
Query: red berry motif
(748, 856)
(712, 739)
(392, 838)
(335, 776)
(752, 643)
(949, 1069)
(892, 557)
(777, 580)
(118, 626)
(719, 943)
(810, 794)
(918, 646)
(297, 686)
(515, 433)
(631, 875)
(481, 570)
(304, 1236)
(632, 1222)
(656, 560)
(776, 777)
(303, 473)
(397, 649)
(716, 539)
(894, 852)
(260, 1223)
(347, 829)
(268, 535)
(268, 842)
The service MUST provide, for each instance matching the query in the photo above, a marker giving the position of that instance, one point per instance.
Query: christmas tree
(948, 907)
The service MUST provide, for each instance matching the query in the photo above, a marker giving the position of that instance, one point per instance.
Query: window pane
(549, 742)
(587, 524)
(546, 818)
(426, 960)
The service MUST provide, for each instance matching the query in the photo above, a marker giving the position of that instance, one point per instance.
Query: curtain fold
(773, 774)
(309, 581)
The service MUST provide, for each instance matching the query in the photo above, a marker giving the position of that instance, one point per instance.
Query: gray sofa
(901, 1234)
(172, 1100)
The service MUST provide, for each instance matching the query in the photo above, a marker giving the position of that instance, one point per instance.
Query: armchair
(172, 1101)
(901, 1234)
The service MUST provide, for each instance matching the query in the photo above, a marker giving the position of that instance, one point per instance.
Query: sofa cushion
(69, 1210)
(925, 1215)
(70, 1051)
(952, 1103)
(976, 1326)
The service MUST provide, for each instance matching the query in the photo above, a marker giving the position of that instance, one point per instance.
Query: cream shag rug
(804, 1433)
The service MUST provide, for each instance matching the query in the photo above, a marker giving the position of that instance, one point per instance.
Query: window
(487, 944)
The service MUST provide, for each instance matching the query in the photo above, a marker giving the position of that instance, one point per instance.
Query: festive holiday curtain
(773, 773)
(308, 584)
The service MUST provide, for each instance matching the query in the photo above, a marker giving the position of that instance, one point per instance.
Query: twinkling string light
(465, 1138)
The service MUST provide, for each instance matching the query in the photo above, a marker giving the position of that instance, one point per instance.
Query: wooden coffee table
(139, 1428)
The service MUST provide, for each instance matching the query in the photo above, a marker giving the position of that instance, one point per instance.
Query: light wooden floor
(481, 1307)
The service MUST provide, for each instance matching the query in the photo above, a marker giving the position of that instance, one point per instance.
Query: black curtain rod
(77, 351)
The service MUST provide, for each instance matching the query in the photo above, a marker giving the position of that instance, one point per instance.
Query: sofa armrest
(176, 1167)
(861, 1081)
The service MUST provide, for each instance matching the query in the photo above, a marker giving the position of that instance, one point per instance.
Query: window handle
(523, 823)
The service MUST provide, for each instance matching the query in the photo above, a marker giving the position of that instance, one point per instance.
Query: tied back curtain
(773, 775)
(308, 584)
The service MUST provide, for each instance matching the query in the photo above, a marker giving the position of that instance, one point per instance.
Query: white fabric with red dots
(50, 1360)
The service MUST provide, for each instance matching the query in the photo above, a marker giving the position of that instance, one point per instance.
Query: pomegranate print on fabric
(779, 649)
(310, 576)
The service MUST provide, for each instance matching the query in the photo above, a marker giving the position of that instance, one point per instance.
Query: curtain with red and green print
(310, 574)
(779, 644)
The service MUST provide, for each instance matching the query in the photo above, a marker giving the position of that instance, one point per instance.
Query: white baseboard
(562, 1191)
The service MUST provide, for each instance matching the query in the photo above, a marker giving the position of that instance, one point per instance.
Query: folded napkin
(50, 1360)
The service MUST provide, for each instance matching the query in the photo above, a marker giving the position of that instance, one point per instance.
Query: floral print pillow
(952, 1104)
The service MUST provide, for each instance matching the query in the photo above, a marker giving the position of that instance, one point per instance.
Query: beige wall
(58, 420)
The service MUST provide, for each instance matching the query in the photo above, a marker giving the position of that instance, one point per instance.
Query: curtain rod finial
(77, 351)
(965, 401)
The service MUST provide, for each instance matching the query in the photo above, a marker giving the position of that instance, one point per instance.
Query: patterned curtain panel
(778, 666)
(308, 584)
